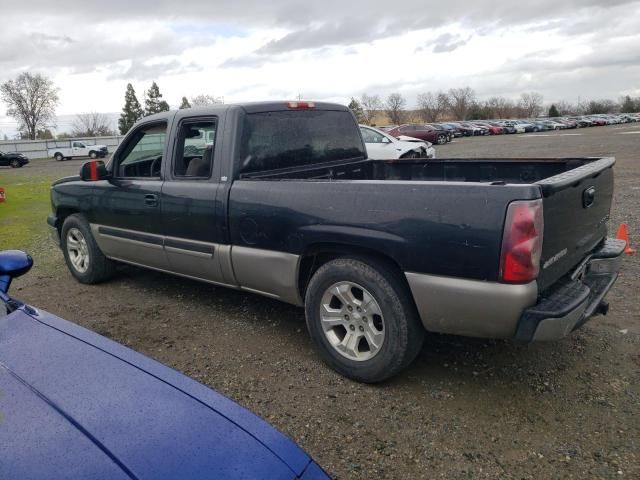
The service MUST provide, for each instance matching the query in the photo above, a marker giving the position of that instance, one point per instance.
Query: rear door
(576, 210)
(193, 238)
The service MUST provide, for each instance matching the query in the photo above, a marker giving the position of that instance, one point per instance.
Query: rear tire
(82, 255)
(15, 164)
(388, 316)
(59, 157)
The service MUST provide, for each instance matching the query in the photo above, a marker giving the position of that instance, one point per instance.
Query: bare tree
(432, 105)
(395, 108)
(460, 101)
(531, 104)
(566, 108)
(205, 100)
(32, 100)
(91, 124)
(500, 107)
(371, 105)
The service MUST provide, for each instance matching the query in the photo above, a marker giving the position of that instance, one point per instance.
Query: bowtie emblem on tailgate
(588, 197)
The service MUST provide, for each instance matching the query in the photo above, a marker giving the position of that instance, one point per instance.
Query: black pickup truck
(280, 199)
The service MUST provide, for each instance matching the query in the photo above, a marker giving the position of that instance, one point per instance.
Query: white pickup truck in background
(78, 149)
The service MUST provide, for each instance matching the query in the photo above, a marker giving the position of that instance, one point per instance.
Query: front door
(126, 218)
(193, 243)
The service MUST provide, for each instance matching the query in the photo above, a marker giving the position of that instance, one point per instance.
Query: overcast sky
(325, 50)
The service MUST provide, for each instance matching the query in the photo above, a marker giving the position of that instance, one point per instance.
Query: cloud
(331, 49)
(448, 43)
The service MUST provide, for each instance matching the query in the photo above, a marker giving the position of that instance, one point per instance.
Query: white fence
(39, 148)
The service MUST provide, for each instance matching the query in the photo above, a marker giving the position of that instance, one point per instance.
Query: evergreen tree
(153, 102)
(357, 110)
(131, 112)
(629, 106)
(553, 112)
(185, 103)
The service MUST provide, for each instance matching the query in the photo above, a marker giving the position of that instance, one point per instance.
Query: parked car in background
(477, 130)
(466, 131)
(582, 122)
(12, 159)
(77, 405)
(506, 129)
(570, 123)
(539, 126)
(78, 149)
(517, 127)
(453, 131)
(493, 129)
(422, 132)
(383, 146)
(527, 125)
(553, 124)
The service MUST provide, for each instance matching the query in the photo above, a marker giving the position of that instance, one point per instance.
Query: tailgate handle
(588, 197)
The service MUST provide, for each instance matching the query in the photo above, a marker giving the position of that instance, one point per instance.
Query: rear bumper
(573, 301)
(496, 310)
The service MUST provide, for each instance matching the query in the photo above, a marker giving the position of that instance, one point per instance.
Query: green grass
(23, 215)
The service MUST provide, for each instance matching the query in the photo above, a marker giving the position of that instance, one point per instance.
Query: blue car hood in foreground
(74, 404)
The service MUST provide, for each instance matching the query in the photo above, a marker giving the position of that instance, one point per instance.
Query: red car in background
(423, 132)
(493, 129)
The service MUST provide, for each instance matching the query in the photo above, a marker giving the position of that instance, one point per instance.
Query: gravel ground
(465, 409)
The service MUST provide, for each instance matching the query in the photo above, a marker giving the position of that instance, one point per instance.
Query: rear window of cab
(298, 138)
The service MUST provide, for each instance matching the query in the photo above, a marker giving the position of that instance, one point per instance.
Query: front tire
(93, 155)
(82, 255)
(441, 140)
(15, 164)
(362, 319)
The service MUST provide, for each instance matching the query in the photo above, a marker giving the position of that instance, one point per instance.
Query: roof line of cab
(248, 107)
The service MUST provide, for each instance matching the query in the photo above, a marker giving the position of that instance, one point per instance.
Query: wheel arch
(318, 254)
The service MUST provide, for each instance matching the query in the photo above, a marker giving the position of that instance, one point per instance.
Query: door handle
(151, 200)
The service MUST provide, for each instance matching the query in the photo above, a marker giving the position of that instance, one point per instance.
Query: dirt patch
(466, 409)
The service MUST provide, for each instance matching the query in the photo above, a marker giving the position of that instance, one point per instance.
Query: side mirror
(13, 263)
(93, 171)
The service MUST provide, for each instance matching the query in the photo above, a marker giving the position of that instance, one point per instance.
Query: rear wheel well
(318, 255)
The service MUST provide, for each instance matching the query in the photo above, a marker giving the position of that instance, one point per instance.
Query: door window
(142, 155)
(194, 152)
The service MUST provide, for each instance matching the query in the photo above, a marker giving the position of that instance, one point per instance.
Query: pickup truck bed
(281, 199)
(477, 189)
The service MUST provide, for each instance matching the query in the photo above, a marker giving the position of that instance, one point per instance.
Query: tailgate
(576, 210)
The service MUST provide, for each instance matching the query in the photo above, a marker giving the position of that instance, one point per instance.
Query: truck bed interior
(513, 171)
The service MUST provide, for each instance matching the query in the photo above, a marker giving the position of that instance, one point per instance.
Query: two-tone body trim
(270, 273)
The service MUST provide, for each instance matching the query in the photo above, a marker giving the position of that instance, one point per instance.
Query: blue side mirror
(13, 263)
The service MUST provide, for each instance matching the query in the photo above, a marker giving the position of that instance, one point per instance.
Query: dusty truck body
(280, 199)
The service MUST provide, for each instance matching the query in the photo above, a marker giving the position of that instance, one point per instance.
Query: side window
(77, 145)
(194, 152)
(406, 129)
(142, 155)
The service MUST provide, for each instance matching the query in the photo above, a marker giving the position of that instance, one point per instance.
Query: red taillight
(301, 105)
(522, 242)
